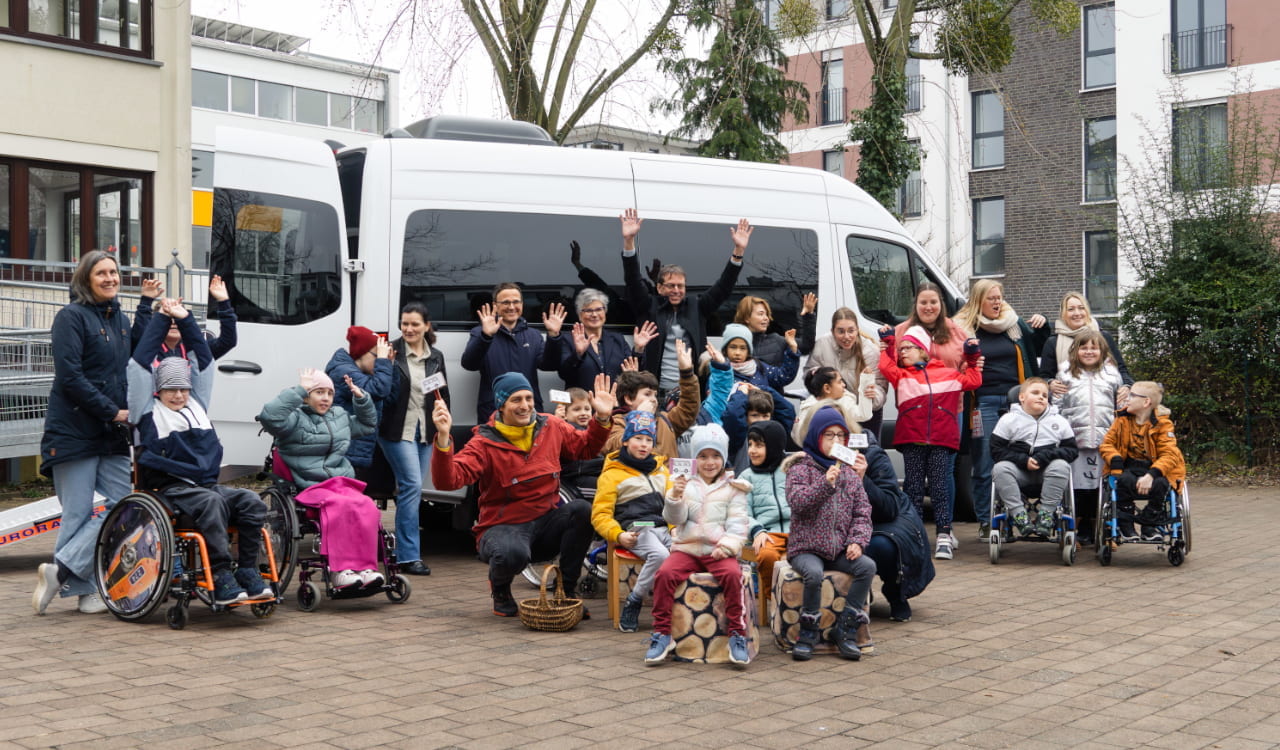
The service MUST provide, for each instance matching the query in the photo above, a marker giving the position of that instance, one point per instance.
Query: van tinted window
(278, 256)
(885, 277)
(452, 260)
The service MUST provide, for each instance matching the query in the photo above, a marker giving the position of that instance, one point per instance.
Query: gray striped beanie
(173, 373)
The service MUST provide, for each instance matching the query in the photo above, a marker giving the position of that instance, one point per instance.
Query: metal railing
(26, 375)
(831, 108)
(1198, 49)
(915, 86)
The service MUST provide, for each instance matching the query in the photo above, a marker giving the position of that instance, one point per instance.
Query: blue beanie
(506, 384)
(710, 436)
(640, 423)
(737, 331)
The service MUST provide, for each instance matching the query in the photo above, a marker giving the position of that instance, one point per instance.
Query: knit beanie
(710, 436)
(321, 381)
(360, 340)
(918, 336)
(506, 384)
(172, 373)
(737, 331)
(824, 418)
(640, 423)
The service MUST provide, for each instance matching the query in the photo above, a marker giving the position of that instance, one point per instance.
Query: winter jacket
(692, 313)
(1018, 436)
(520, 349)
(1089, 404)
(224, 342)
(1050, 366)
(928, 398)
(894, 517)
(581, 371)
(391, 422)
(515, 487)
(767, 506)
(952, 352)
(91, 345)
(314, 446)
(827, 354)
(769, 347)
(671, 424)
(1009, 362)
(150, 342)
(709, 516)
(825, 520)
(719, 388)
(1154, 441)
(378, 386)
(734, 419)
(625, 496)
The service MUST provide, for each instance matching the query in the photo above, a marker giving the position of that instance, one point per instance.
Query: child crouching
(708, 515)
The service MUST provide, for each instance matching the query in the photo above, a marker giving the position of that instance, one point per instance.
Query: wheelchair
(594, 567)
(148, 553)
(1064, 525)
(315, 582)
(1173, 521)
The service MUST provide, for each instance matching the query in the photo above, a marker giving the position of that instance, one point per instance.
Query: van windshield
(885, 277)
(453, 259)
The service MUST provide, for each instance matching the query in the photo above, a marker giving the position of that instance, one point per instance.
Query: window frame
(984, 135)
(1092, 280)
(1086, 53)
(1086, 153)
(977, 240)
(837, 153)
(87, 34)
(1201, 149)
(902, 191)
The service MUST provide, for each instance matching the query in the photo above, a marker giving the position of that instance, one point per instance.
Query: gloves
(971, 347)
(1117, 463)
(886, 333)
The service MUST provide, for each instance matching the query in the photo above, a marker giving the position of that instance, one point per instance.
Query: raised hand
(630, 364)
(575, 253)
(604, 396)
(810, 305)
(581, 341)
(561, 410)
(173, 308)
(152, 288)
(654, 268)
(443, 421)
(631, 222)
(790, 336)
(355, 389)
(488, 319)
(684, 356)
(677, 487)
(741, 235)
(308, 377)
(383, 350)
(717, 356)
(1036, 321)
(553, 319)
(643, 334)
(218, 288)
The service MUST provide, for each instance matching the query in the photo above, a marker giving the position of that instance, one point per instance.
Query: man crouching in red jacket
(515, 460)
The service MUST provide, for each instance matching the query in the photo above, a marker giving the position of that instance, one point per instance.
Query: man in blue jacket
(504, 342)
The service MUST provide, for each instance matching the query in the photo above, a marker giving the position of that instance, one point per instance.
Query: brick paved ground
(1027, 654)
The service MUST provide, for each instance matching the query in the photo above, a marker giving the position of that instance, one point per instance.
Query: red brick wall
(1255, 31)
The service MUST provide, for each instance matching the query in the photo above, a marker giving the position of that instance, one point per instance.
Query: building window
(56, 212)
(769, 10)
(833, 110)
(1201, 35)
(889, 4)
(122, 26)
(833, 162)
(988, 236)
(366, 116)
(244, 96)
(1100, 159)
(911, 192)
(275, 100)
(1099, 45)
(311, 106)
(914, 80)
(1101, 278)
(988, 130)
(1200, 158)
(209, 90)
(837, 8)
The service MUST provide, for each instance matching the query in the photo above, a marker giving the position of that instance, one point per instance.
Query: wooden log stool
(623, 571)
(698, 624)
(786, 598)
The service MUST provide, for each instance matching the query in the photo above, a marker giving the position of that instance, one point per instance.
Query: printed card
(560, 397)
(844, 454)
(858, 440)
(680, 467)
(433, 382)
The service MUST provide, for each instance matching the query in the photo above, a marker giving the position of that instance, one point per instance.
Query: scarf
(1066, 336)
(746, 368)
(1007, 323)
(643, 465)
(827, 416)
(520, 437)
(774, 437)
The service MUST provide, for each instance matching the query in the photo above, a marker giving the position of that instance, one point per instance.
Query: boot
(845, 633)
(504, 605)
(809, 634)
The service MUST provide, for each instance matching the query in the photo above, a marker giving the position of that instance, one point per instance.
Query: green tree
(739, 96)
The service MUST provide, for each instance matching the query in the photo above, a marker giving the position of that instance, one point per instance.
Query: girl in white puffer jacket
(1093, 381)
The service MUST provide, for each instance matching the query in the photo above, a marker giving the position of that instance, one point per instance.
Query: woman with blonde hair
(1074, 320)
(856, 357)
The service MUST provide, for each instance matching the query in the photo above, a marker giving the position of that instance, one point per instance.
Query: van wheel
(963, 510)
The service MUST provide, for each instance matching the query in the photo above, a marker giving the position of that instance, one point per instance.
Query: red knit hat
(360, 340)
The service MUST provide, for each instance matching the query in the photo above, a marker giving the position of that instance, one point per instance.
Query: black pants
(566, 531)
(1127, 492)
(214, 509)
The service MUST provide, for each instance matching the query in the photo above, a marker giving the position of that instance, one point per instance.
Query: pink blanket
(349, 523)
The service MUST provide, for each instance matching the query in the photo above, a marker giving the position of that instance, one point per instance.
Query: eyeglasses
(593, 311)
(1139, 395)
(833, 435)
(908, 347)
(510, 303)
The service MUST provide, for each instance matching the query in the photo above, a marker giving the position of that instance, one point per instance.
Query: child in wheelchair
(179, 455)
(1142, 453)
(1032, 445)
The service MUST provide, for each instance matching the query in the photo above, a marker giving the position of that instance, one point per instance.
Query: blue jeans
(980, 453)
(75, 482)
(410, 461)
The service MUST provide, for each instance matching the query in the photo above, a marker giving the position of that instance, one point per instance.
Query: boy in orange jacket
(1142, 452)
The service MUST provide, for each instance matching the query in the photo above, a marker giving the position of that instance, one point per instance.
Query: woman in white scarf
(1074, 319)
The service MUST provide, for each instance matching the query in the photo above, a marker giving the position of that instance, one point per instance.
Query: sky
(443, 68)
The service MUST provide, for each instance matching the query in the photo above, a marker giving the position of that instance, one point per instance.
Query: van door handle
(236, 365)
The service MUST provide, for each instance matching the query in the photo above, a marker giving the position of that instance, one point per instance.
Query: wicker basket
(556, 614)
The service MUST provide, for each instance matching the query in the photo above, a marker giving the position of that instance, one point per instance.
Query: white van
(311, 242)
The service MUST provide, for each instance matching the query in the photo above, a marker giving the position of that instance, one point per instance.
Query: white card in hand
(560, 397)
(433, 382)
(844, 454)
(680, 467)
(858, 440)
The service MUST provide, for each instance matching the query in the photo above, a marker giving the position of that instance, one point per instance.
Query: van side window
(278, 255)
(452, 260)
(885, 277)
(351, 182)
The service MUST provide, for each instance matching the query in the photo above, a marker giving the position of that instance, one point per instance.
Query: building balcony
(831, 109)
(1198, 49)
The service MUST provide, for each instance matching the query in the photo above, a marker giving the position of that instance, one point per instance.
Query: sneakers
(46, 587)
(1045, 526)
(1125, 530)
(504, 605)
(344, 578)
(225, 589)
(254, 587)
(660, 647)
(943, 550)
(984, 532)
(91, 604)
(1020, 522)
(371, 579)
(955, 543)
(629, 620)
(738, 653)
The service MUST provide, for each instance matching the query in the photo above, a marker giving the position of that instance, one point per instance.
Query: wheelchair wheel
(1184, 516)
(399, 589)
(994, 544)
(308, 596)
(176, 616)
(263, 610)
(134, 557)
(282, 526)
(1068, 548)
(1175, 555)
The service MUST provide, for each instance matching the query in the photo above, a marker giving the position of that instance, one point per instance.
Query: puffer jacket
(709, 516)
(1019, 436)
(1153, 441)
(624, 496)
(928, 398)
(671, 424)
(314, 446)
(519, 349)
(825, 520)
(1089, 404)
(91, 345)
(894, 517)
(770, 347)
(767, 504)
(377, 385)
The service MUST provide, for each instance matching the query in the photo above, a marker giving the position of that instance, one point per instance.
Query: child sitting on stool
(1141, 450)
(1032, 444)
